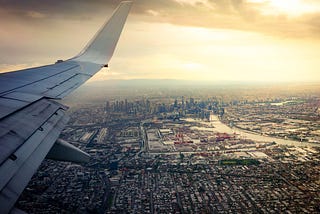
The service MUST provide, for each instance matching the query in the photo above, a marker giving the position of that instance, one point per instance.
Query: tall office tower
(191, 101)
(148, 105)
(175, 103)
(107, 109)
(182, 101)
(126, 105)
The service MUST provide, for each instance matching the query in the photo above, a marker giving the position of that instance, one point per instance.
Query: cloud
(313, 22)
(153, 12)
(265, 16)
(194, 2)
(258, 16)
(261, 16)
(211, 39)
(35, 14)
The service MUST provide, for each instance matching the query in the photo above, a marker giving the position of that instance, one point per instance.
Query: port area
(209, 138)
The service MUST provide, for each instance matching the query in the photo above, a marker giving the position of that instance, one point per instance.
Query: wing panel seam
(4, 92)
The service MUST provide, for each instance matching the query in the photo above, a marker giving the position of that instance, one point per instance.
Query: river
(221, 127)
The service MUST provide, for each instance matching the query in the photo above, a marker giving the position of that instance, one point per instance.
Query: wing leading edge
(30, 119)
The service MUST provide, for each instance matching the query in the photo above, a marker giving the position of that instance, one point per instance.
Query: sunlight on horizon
(194, 53)
(249, 45)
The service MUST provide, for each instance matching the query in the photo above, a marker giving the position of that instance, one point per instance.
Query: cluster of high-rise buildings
(168, 108)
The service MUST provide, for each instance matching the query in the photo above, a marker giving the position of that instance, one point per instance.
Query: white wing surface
(30, 117)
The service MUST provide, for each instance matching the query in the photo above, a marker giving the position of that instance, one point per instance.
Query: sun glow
(289, 7)
(194, 53)
(293, 7)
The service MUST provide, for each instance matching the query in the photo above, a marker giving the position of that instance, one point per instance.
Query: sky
(211, 40)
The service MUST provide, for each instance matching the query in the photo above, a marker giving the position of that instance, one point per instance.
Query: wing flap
(10, 166)
(16, 129)
(28, 158)
(8, 106)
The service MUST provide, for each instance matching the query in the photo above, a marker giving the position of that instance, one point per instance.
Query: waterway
(218, 126)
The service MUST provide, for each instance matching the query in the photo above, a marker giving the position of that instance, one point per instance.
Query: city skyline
(253, 40)
(172, 151)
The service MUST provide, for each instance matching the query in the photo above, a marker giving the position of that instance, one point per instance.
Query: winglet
(101, 47)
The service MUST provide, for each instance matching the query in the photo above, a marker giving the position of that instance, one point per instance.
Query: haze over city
(207, 106)
(230, 40)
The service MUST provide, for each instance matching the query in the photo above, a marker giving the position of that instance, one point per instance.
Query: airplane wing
(31, 119)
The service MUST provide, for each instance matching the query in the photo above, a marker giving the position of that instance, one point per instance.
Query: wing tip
(100, 48)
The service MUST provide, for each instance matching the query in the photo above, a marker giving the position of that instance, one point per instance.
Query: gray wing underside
(30, 118)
